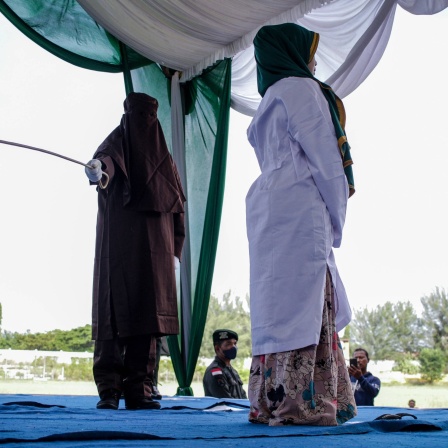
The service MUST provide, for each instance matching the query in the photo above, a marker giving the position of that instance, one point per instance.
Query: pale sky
(395, 240)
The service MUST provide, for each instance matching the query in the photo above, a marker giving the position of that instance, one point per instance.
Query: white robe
(295, 213)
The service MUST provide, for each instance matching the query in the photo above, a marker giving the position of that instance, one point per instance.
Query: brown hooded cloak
(140, 228)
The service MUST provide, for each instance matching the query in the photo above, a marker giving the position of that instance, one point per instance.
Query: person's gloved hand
(94, 174)
(176, 263)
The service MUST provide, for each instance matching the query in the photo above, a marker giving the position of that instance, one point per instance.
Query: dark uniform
(222, 381)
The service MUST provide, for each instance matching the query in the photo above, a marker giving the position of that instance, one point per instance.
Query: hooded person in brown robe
(140, 232)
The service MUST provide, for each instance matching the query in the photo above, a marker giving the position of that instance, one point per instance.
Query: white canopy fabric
(190, 35)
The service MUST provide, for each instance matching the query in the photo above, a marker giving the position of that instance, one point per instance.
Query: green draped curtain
(63, 28)
(206, 121)
(206, 131)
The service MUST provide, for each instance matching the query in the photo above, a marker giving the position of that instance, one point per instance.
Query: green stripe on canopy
(64, 29)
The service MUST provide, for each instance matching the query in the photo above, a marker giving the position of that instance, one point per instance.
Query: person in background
(139, 239)
(411, 403)
(368, 386)
(221, 380)
(295, 215)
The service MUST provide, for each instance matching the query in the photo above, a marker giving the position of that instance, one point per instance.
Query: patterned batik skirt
(307, 386)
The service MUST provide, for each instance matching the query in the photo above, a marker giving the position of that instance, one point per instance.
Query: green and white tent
(196, 58)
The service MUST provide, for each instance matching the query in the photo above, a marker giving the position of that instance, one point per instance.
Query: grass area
(47, 387)
(74, 388)
(426, 396)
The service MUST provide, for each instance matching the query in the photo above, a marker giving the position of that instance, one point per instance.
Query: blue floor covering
(59, 421)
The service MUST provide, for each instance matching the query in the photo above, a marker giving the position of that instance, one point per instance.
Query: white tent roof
(190, 35)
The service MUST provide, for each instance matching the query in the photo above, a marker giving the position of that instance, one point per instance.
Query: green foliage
(388, 331)
(231, 313)
(417, 381)
(166, 371)
(79, 370)
(199, 372)
(406, 365)
(238, 364)
(432, 364)
(76, 340)
(435, 318)
(346, 335)
(47, 367)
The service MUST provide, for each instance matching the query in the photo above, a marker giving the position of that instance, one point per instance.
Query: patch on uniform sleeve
(216, 371)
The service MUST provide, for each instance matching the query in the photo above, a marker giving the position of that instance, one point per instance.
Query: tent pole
(126, 71)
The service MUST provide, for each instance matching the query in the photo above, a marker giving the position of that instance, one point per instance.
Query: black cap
(223, 334)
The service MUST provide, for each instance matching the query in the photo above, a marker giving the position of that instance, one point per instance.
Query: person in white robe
(295, 212)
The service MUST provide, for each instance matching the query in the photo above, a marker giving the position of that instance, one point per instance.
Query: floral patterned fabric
(307, 386)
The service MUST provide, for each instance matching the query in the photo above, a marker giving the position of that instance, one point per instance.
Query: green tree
(388, 331)
(435, 318)
(76, 340)
(407, 329)
(79, 370)
(406, 365)
(231, 313)
(369, 329)
(432, 364)
(7, 340)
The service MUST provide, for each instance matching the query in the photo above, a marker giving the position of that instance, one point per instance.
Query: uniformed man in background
(221, 380)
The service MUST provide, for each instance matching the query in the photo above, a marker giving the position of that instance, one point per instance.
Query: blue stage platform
(60, 421)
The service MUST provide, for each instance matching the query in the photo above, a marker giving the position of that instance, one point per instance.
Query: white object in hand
(94, 174)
